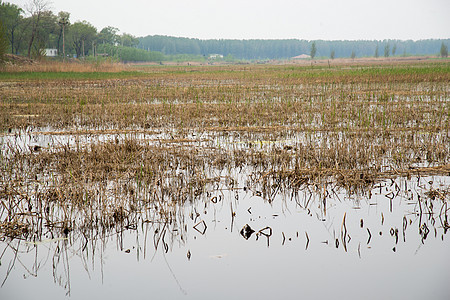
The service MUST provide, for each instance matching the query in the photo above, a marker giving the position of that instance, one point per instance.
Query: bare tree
(35, 8)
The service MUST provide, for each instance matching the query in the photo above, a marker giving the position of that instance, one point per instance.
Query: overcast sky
(264, 19)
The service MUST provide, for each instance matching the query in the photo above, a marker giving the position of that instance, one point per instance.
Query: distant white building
(302, 56)
(215, 56)
(51, 52)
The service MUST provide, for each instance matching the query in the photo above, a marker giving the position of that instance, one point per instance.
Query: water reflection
(266, 211)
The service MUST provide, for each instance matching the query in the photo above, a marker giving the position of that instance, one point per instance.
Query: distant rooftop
(302, 56)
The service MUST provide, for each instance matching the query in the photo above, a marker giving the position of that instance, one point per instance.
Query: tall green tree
(21, 36)
(3, 42)
(386, 50)
(11, 16)
(377, 54)
(444, 50)
(48, 30)
(313, 50)
(109, 35)
(82, 34)
(128, 40)
(332, 54)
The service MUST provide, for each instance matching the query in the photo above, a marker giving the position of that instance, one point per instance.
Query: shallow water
(372, 245)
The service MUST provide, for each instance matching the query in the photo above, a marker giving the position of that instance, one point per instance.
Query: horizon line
(298, 39)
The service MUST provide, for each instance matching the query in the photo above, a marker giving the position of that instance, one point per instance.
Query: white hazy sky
(264, 19)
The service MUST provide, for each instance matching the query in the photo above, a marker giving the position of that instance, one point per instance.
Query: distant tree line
(129, 54)
(282, 49)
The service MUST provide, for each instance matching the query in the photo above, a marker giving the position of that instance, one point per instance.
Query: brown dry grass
(56, 66)
(281, 127)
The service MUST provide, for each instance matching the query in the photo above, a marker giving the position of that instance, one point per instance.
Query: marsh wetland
(232, 181)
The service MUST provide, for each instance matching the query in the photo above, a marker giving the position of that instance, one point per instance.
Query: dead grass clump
(14, 229)
(15, 60)
(25, 65)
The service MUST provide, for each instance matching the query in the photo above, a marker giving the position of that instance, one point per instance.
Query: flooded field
(226, 182)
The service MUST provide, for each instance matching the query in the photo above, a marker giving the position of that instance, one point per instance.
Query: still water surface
(348, 246)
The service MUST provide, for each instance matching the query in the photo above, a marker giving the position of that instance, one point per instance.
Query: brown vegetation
(170, 131)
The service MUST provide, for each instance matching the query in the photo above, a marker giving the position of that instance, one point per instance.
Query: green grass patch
(355, 71)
